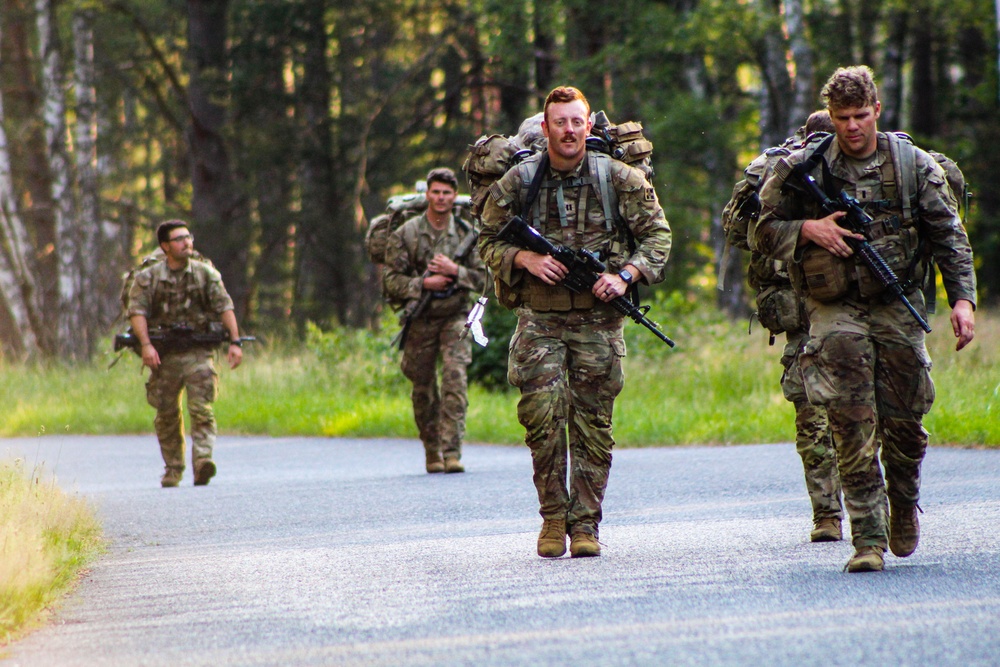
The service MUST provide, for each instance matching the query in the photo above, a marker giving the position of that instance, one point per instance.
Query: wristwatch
(237, 343)
(627, 276)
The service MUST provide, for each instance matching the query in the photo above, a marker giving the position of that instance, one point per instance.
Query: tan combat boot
(866, 559)
(584, 545)
(904, 529)
(452, 464)
(204, 470)
(171, 478)
(826, 530)
(434, 462)
(552, 538)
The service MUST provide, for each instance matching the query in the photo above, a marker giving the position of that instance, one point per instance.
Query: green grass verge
(719, 386)
(46, 537)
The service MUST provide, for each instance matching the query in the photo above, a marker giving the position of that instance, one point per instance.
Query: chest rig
(547, 202)
(179, 299)
(892, 232)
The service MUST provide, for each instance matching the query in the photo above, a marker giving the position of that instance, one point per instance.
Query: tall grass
(45, 538)
(719, 386)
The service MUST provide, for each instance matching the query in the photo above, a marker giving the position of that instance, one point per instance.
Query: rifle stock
(857, 220)
(585, 268)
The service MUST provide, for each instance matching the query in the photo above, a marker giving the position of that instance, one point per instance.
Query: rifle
(584, 270)
(858, 220)
(416, 307)
(177, 338)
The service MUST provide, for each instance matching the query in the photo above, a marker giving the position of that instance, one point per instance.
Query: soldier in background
(866, 360)
(567, 350)
(420, 258)
(182, 291)
(781, 310)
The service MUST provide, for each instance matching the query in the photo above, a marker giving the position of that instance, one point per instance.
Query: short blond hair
(850, 87)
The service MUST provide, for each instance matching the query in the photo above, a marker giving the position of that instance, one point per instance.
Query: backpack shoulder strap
(904, 163)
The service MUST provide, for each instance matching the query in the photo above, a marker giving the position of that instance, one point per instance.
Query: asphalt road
(343, 552)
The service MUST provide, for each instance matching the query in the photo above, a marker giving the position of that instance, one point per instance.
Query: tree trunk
(20, 318)
(546, 60)
(97, 272)
(776, 93)
(219, 216)
(804, 99)
(891, 90)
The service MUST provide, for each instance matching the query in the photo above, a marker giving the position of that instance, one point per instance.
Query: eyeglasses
(181, 238)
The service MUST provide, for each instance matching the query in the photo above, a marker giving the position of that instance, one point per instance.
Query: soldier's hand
(150, 357)
(443, 265)
(609, 286)
(827, 234)
(437, 282)
(234, 356)
(963, 323)
(544, 267)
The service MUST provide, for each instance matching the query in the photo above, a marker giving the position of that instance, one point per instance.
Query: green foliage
(489, 364)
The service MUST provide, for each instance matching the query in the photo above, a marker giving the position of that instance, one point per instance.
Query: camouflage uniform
(194, 296)
(781, 310)
(567, 350)
(438, 411)
(866, 360)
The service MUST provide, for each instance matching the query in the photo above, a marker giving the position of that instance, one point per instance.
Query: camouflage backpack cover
(399, 209)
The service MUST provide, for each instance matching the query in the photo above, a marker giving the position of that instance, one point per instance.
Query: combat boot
(434, 462)
(866, 559)
(904, 528)
(552, 538)
(171, 478)
(584, 545)
(204, 470)
(826, 530)
(452, 464)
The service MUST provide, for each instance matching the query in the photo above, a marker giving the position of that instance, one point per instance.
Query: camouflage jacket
(586, 224)
(194, 296)
(935, 216)
(411, 248)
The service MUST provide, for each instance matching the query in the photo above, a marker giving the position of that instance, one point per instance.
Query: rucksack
(493, 155)
(398, 210)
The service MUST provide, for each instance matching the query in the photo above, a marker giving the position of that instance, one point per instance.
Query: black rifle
(177, 338)
(584, 269)
(416, 307)
(858, 221)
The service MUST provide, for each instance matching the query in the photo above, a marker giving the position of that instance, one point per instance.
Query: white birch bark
(88, 214)
(71, 342)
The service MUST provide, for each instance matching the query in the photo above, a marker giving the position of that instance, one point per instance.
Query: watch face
(626, 275)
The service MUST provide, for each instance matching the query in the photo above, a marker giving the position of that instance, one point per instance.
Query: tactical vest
(183, 301)
(892, 232)
(554, 193)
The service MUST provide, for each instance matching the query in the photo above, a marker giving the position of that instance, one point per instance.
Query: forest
(278, 128)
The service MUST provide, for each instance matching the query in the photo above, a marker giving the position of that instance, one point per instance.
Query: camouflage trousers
(194, 371)
(866, 362)
(568, 366)
(812, 435)
(439, 410)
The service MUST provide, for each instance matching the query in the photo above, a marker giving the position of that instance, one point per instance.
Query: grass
(46, 537)
(719, 386)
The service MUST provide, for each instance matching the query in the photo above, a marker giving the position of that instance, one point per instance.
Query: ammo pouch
(507, 296)
(779, 309)
(898, 250)
(545, 298)
(825, 276)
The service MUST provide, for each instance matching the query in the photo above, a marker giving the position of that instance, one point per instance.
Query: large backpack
(398, 210)
(493, 155)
